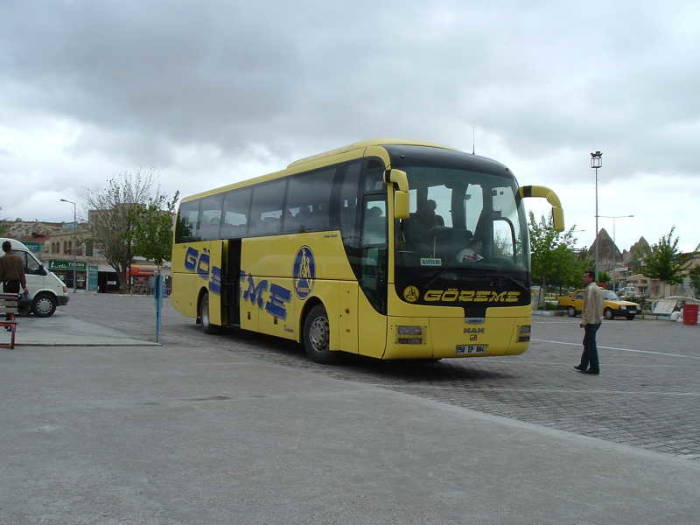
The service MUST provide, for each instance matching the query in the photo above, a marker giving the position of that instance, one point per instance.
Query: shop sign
(34, 247)
(58, 264)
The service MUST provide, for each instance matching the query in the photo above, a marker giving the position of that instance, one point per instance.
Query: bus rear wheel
(203, 315)
(316, 336)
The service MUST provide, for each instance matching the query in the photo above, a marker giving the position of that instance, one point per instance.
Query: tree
(555, 261)
(4, 227)
(664, 262)
(604, 278)
(153, 228)
(639, 252)
(115, 215)
(694, 275)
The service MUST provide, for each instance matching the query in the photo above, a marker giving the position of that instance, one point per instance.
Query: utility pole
(596, 162)
(613, 219)
(73, 248)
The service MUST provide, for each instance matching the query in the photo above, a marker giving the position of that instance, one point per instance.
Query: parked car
(628, 291)
(613, 306)
(46, 290)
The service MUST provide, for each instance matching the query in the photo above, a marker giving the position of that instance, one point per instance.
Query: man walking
(590, 321)
(12, 271)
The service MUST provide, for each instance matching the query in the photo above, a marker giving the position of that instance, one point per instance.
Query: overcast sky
(208, 93)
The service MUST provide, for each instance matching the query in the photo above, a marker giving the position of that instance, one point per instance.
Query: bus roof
(317, 161)
(363, 145)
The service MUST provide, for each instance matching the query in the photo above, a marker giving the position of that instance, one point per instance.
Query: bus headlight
(524, 333)
(410, 335)
(409, 330)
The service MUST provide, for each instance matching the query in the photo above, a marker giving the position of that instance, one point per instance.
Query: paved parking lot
(646, 396)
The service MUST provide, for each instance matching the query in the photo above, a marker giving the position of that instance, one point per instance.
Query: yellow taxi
(613, 306)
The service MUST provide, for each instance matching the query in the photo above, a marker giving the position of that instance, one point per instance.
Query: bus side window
(374, 176)
(348, 204)
(187, 222)
(374, 227)
(210, 217)
(266, 210)
(373, 260)
(235, 214)
(307, 201)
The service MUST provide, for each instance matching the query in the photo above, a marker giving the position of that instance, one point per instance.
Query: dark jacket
(12, 269)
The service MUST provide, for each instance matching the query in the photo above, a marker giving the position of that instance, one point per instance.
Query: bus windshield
(463, 221)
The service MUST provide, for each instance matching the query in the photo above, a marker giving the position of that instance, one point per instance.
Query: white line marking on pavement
(615, 348)
(578, 391)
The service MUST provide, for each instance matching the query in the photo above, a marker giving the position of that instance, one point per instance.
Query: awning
(142, 270)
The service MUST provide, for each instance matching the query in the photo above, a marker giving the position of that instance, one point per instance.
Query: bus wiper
(498, 278)
(513, 280)
(437, 274)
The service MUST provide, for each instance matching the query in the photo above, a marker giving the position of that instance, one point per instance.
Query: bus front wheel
(316, 336)
(203, 315)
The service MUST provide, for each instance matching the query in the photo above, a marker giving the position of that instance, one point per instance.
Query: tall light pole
(596, 162)
(75, 230)
(613, 218)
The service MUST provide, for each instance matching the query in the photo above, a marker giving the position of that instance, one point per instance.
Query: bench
(8, 307)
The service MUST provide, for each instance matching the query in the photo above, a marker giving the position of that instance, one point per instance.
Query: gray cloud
(145, 80)
(234, 74)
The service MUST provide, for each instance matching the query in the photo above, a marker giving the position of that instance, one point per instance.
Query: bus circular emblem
(304, 272)
(411, 294)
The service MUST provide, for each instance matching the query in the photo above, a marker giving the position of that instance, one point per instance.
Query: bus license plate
(471, 349)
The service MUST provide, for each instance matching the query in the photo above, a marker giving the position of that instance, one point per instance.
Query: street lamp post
(596, 162)
(75, 261)
(613, 218)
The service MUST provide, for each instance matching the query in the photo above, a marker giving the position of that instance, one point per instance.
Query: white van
(46, 290)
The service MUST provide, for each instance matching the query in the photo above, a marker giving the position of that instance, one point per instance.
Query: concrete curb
(101, 345)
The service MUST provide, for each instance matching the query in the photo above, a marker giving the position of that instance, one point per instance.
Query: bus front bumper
(437, 338)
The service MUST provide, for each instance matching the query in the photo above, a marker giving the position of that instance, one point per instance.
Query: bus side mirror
(400, 180)
(541, 191)
(401, 204)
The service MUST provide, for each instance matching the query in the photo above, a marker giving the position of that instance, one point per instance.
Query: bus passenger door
(231, 290)
(373, 277)
(216, 261)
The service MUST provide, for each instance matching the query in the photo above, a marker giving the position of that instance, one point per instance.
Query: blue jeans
(590, 350)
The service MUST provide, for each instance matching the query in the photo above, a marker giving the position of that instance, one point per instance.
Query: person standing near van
(591, 318)
(12, 271)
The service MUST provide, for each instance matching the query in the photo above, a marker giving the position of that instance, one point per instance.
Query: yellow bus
(388, 248)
